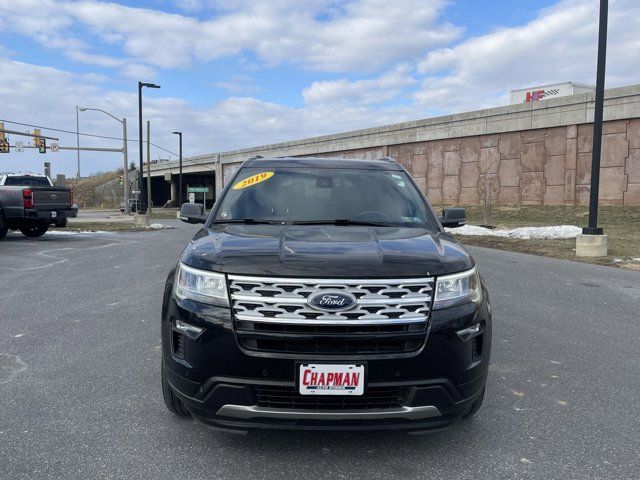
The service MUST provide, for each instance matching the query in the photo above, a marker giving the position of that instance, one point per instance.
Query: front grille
(288, 397)
(272, 315)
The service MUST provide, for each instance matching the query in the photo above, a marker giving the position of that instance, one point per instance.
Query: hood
(325, 251)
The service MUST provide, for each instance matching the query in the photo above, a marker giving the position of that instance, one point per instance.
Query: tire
(34, 231)
(475, 406)
(172, 402)
(3, 227)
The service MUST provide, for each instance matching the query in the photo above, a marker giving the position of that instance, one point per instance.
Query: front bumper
(222, 385)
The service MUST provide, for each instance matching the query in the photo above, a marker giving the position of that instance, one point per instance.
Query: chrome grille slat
(398, 310)
(300, 300)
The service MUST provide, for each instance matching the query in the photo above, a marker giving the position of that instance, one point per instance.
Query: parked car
(324, 294)
(30, 203)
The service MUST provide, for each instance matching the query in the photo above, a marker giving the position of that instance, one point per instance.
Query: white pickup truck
(31, 203)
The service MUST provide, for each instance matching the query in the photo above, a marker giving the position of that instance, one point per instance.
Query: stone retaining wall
(549, 166)
(532, 153)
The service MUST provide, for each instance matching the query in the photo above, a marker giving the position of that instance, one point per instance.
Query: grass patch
(164, 214)
(621, 224)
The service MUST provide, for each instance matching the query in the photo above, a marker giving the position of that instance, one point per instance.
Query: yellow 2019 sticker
(253, 180)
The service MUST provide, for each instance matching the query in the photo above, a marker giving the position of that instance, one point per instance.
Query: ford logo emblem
(331, 300)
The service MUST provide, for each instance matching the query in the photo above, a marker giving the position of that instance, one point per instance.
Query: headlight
(201, 286)
(458, 288)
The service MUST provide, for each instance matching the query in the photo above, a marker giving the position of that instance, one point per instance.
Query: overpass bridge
(529, 154)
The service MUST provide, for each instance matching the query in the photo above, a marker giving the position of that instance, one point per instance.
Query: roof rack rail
(387, 159)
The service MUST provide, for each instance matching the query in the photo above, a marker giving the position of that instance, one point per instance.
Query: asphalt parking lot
(80, 394)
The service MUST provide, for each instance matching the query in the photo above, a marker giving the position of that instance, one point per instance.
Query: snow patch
(158, 226)
(66, 233)
(525, 233)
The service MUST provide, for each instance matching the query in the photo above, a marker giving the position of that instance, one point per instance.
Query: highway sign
(198, 189)
(19, 146)
(54, 147)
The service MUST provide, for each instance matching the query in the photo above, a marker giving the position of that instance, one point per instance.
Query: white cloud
(559, 45)
(93, 59)
(364, 92)
(233, 123)
(238, 84)
(137, 71)
(363, 35)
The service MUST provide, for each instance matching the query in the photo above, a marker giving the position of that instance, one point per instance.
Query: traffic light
(120, 179)
(39, 142)
(4, 143)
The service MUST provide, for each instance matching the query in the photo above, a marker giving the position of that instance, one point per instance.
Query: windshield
(340, 196)
(27, 181)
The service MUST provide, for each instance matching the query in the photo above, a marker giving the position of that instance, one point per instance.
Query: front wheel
(34, 231)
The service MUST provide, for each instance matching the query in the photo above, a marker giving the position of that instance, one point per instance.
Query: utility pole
(149, 167)
(592, 242)
(140, 208)
(125, 173)
(78, 140)
(180, 174)
(140, 182)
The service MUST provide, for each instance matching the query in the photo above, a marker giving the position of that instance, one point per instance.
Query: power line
(94, 135)
(61, 130)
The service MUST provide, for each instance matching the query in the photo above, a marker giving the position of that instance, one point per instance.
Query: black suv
(324, 294)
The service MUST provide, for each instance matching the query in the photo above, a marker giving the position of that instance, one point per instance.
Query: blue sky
(240, 73)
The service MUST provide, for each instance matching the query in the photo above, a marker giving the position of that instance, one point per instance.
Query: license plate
(54, 214)
(324, 379)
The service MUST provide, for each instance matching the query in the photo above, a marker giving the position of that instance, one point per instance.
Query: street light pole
(180, 174)
(142, 208)
(593, 228)
(140, 184)
(125, 172)
(78, 140)
(592, 242)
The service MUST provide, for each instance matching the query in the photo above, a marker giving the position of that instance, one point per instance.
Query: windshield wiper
(250, 221)
(344, 222)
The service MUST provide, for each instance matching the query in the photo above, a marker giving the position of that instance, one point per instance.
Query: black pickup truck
(324, 294)
(30, 203)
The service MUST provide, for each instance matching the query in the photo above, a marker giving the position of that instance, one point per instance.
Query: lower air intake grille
(288, 397)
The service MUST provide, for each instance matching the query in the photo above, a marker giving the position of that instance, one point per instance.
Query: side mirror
(453, 217)
(193, 213)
